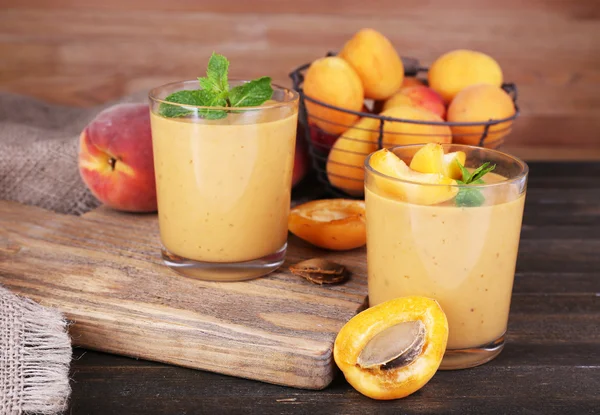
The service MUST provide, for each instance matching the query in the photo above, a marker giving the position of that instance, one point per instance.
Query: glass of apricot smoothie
(223, 177)
(444, 221)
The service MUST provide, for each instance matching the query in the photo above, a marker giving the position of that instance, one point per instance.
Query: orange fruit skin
(376, 61)
(334, 224)
(345, 163)
(481, 103)
(400, 382)
(333, 81)
(400, 133)
(454, 71)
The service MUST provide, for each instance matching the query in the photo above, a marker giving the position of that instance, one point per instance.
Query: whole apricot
(393, 349)
(333, 81)
(376, 61)
(458, 69)
(400, 133)
(345, 164)
(481, 103)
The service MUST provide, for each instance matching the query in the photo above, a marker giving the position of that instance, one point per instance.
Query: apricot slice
(393, 349)
(336, 224)
(413, 187)
(431, 159)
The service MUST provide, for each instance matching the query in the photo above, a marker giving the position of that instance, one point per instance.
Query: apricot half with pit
(393, 349)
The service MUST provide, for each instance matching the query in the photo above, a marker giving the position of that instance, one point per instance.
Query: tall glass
(224, 186)
(462, 256)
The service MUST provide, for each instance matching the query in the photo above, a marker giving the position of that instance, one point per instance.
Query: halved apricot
(392, 349)
(414, 187)
(336, 224)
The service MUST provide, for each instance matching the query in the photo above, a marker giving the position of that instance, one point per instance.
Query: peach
(115, 158)
(301, 159)
(332, 81)
(481, 103)
(399, 133)
(345, 164)
(376, 61)
(458, 69)
(418, 96)
(411, 81)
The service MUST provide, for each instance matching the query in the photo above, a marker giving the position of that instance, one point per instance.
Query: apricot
(481, 103)
(393, 349)
(333, 81)
(418, 96)
(431, 159)
(345, 163)
(376, 61)
(407, 185)
(458, 69)
(335, 224)
(401, 133)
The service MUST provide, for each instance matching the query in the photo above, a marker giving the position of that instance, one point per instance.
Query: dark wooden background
(84, 52)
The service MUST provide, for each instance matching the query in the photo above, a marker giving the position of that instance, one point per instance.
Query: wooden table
(551, 363)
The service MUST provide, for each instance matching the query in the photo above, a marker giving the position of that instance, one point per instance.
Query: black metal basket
(320, 142)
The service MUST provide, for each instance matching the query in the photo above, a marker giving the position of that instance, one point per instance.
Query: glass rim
(152, 95)
(523, 173)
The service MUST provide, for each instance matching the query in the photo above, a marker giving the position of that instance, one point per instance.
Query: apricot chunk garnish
(413, 187)
(335, 224)
(431, 159)
(393, 349)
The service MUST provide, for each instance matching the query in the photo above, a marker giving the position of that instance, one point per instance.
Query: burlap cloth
(38, 153)
(38, 166)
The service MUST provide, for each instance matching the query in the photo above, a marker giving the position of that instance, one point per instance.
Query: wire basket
(339, 167)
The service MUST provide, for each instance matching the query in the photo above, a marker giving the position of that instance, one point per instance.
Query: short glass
(464, 257)
(224, 186)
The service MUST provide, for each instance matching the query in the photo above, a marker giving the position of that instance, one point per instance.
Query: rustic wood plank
(505, 385)
(105, 274)
(88, 52)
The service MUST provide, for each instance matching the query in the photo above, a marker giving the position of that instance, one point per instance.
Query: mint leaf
(180, 97)
(481, 171)
(469, 197)
(215, 81)
(215, 92)
(251, 94)
(465, 173)
(197, 97)
(210, 100)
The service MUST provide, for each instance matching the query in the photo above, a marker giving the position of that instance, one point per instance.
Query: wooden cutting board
(104, 271)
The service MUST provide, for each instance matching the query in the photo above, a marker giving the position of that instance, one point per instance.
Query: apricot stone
(333, 81)
(376, 61)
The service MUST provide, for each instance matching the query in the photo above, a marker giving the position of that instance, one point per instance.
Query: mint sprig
(215, 92)
(471, 197)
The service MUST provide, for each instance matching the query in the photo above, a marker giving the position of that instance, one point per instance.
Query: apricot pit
(393, 349)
